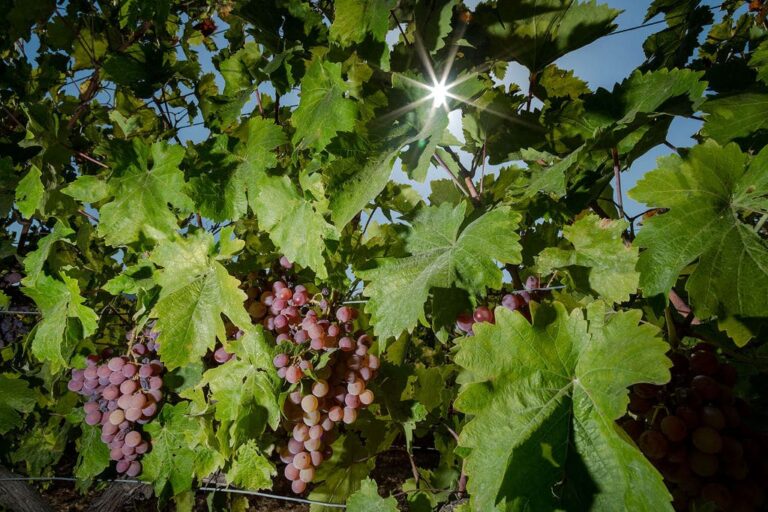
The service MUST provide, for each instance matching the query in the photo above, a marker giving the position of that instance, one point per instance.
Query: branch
(682, 307)
(19, 496)
(119, 495)
(465, 174)
(617, 175)
(455, 180)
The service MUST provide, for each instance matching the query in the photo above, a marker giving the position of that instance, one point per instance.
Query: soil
(392, 469)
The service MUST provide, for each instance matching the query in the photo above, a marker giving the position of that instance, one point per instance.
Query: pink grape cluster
(122, 393)
(321, 398)
(512, 301)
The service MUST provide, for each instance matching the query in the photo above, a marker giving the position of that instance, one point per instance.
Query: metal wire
(231, 490)
(16, 312)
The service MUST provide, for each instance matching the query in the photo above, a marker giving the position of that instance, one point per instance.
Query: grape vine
(385, 255)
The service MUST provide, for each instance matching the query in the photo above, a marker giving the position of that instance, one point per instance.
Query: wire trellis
(231, 490)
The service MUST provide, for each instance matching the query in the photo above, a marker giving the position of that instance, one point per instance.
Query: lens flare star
(439, 94)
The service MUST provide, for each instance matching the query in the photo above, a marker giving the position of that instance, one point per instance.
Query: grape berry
(122, 392)
(517, 301)
(695, 432)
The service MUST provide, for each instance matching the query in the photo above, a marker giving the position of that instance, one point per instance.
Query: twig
(87, 215)
(482, 171)
(277, 108)
(258, 102)
(617, 175)
(399, 27)
(453, 177)
(464, 173)
(91, 159)
(682, 307)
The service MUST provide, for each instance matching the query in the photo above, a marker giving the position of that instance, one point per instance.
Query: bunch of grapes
(696, 434)
(123, 392)
(517, 301)
(306, 327)
(13, 326)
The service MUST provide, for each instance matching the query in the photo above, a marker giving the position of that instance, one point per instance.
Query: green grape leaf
(707, 193)
(251, 469)
(195, 291)
(323, 110)
(30, 193)
(340, 476)
(92, 453)
(35, 261)
(367, 499)
(15, 397)
(536, 33)
(355, 19)
(65, 318)
(132, 280)
(245, 394)
(146, 180)
(442, 254)
(232, 175)
(735, 116)
(759, 61)
(545, 396)
(293, 223)
(178, 446)
(87, 189)
(599, 254)
(354, 185)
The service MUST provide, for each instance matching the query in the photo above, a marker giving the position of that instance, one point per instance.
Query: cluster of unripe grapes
(306, 326)
(123, 392)
(697, 434)
(517, 301)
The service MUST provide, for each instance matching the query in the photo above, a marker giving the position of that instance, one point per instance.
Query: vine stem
(455, 180)
(617, 175)
(682, 307)
(464, 173)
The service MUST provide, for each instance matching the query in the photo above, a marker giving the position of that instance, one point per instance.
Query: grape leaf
(759, 61)
(597, 245)
(30, 193)
(250, 469)
(145, 181)
(355, 184)
(245, 390)
(544, 397)
(65, 320)
(367, 499)
(323, 110)
(355, 19)
(87, 189)
(735, 116)
(536, 33)
(15, 397)
(92, 453)
(707, 193)
(340, 476)
(222, 193)
(293, 223)
(442, 254)
(178, 445)
(195, 291)
(34, 262)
